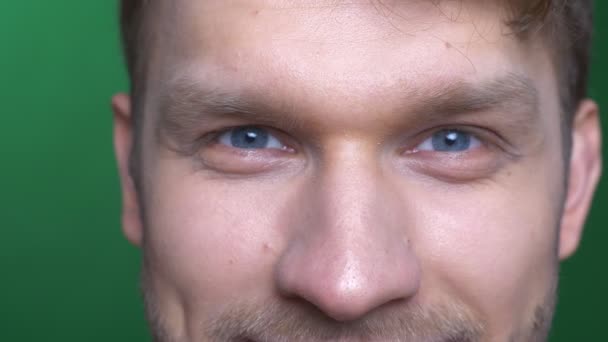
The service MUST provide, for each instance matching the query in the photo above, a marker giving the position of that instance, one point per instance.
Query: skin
(350, 228)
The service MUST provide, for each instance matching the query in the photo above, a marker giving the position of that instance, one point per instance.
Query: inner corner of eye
(409, 150)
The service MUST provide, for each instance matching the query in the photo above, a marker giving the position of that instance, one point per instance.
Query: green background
(66, 273)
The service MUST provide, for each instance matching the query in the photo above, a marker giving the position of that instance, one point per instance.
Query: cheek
(210, 240)
(491, 244)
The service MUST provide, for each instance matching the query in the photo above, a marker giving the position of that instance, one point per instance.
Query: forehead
(332, 49)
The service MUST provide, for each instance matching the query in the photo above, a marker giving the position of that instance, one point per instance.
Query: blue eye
(450, 140)
(249, 138)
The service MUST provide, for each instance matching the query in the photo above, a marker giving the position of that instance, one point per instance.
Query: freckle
(266, 248)
(448, 45)
(231, 262)
(255, 12)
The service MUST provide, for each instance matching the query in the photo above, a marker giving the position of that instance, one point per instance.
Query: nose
(348, 253)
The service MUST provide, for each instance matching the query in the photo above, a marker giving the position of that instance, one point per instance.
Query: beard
(292, 319)
(285, 319)
(282, 320)
(297, 320)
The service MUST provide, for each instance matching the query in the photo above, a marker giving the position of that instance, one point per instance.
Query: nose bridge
(349, 187)
(350, 256)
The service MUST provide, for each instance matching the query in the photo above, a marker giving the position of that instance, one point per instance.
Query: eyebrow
(510, 93)
(186, 105)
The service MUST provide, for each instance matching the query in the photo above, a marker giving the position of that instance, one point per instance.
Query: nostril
(345, 290)
(348, 263)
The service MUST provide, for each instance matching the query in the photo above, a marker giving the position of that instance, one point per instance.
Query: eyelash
(481, 136)
(270, 137)
(484, 137)
(484, 158)
(214, 137)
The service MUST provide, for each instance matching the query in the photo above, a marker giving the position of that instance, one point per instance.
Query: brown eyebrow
(186, 105)
(512, 92)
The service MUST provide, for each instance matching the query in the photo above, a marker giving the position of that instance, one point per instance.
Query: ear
(585, 170)
(123, 132)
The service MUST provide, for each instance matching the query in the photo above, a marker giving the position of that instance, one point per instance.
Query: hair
(566, 27)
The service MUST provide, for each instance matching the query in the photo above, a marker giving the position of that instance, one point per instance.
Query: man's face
(349, 171)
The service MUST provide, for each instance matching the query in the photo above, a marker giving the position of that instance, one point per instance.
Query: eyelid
(226, 139)
(213, 156)
(475, 141)
(463, 166)
(212, 138)
(486, 137)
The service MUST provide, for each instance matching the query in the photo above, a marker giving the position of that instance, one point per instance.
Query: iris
(249, 138)
(451, 141)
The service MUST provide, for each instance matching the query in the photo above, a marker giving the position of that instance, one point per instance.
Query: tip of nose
(345, 304)
(345, 310)
(345, 286)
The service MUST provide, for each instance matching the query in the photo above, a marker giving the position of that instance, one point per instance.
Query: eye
(450, 140)
(250, 138)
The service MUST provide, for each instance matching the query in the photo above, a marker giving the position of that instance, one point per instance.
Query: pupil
(451, 138)
(249, 138)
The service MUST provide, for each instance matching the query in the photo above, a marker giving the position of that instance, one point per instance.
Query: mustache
(297, 320)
